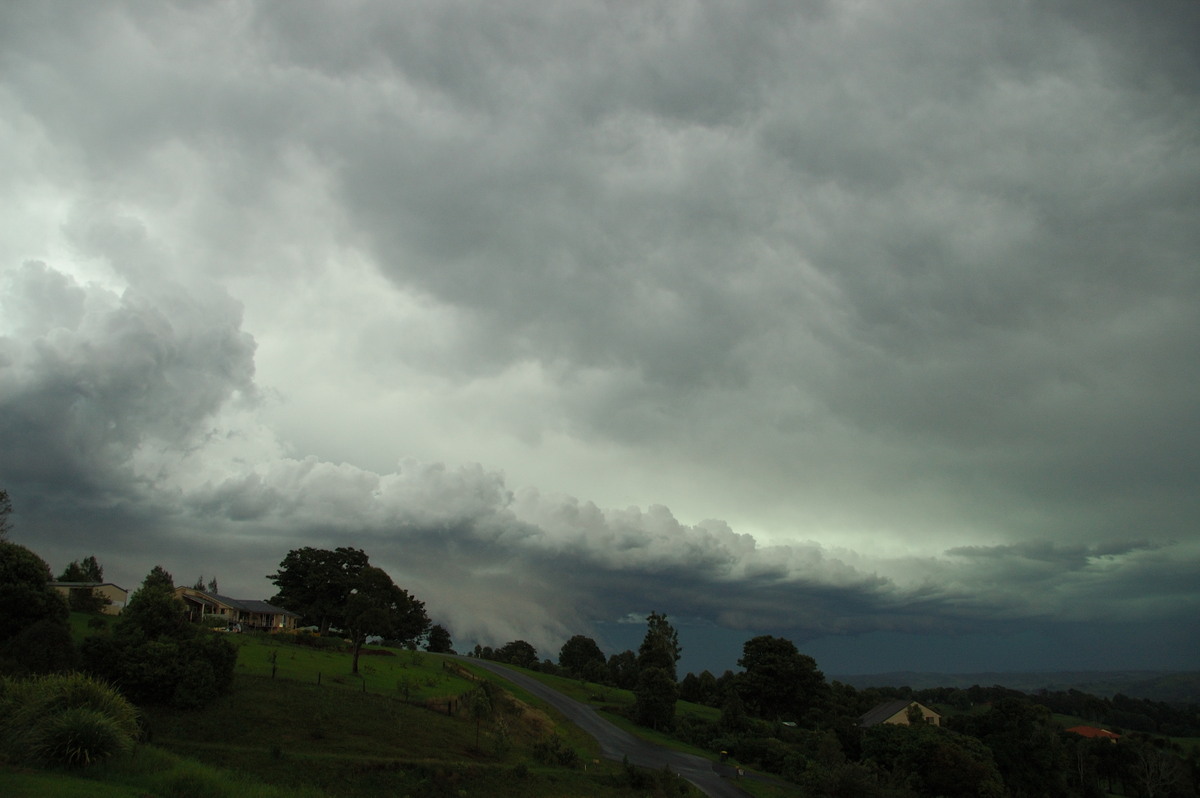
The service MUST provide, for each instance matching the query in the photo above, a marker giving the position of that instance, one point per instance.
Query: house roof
(88, 584)
(266, 609)
(887, 709)
(1092, 731)
(245, 605)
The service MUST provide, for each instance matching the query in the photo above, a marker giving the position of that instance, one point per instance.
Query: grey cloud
(93, 376)
(920, 274)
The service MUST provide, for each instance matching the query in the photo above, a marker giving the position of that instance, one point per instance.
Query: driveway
(616, 743)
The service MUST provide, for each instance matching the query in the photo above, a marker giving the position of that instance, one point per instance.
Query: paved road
(616, 743)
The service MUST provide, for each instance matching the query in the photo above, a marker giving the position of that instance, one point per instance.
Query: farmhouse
(114, 594)
(900, 712)
(246, 613)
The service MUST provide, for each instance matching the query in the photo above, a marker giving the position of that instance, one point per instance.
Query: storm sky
(873, 325)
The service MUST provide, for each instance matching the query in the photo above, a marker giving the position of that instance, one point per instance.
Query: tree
(656, 690)
(660, 647)
(154, 655)
(519, 653)
(87, 571)
(154, 611)
(84, 599)
(159, 577)
(654, 698)
(5, 512)
(317, 583)
(939, 761)
(733, 715)
(377, 607)
(623, 670)
(1025, 743)
(34, 636)
(582, 658)
(25, 592)
(438, 641)
(779, 682)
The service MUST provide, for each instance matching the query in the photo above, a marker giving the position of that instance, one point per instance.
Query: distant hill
(1164, 686)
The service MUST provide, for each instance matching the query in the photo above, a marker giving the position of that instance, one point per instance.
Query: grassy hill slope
(297, 724)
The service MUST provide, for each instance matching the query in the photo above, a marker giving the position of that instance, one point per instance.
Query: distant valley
(1152, 685)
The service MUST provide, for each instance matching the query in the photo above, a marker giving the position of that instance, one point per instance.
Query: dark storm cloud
(90, 376)
(910, 288)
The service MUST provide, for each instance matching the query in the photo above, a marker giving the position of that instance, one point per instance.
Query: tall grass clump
(64, 719)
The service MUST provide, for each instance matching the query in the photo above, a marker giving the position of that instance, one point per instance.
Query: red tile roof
(1092, 731)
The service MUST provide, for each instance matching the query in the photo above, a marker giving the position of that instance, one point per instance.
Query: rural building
(1092, 731)
(247, 613)
(115, 594)
(897, 712)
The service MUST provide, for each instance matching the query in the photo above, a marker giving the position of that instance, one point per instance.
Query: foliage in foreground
(64, 719)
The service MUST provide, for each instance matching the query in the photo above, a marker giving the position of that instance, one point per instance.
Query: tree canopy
(25, 592)
(779, 681)
(438, 640)
(156, 656)
(519, 653)
(340, 588)
(33, 625)
(377, 607)
(656, 690)
(317, 583)
(582, 657)
(89, 570)
(660, 647)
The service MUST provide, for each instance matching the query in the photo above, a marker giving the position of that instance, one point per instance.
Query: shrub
(553, 751)
(43, 647)
(76, 737)
(196, 687)
(66, 719)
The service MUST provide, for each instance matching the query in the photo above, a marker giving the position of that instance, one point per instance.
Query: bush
(43, 647)
(553, 751)
(76, 737)
(182, 673)
(66, 719)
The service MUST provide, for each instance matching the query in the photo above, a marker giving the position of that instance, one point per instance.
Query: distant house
(897, 713)
(1092, 731)
(115, 594)
(246, 613)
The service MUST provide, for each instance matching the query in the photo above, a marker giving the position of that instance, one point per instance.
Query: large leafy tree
(1026, 744)
(519, 653)
(25, 592)
(33, 624)
(779, 682)
(581, 657)
(377, 607)
(622, 669)
(438, 641)
(936, 761)
(317, 583)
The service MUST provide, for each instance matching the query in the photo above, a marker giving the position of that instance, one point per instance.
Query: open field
(296, 723)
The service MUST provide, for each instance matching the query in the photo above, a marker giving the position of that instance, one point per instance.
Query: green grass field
(296, 723)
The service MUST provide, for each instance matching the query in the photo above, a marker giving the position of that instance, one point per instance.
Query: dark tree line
(341, 589)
